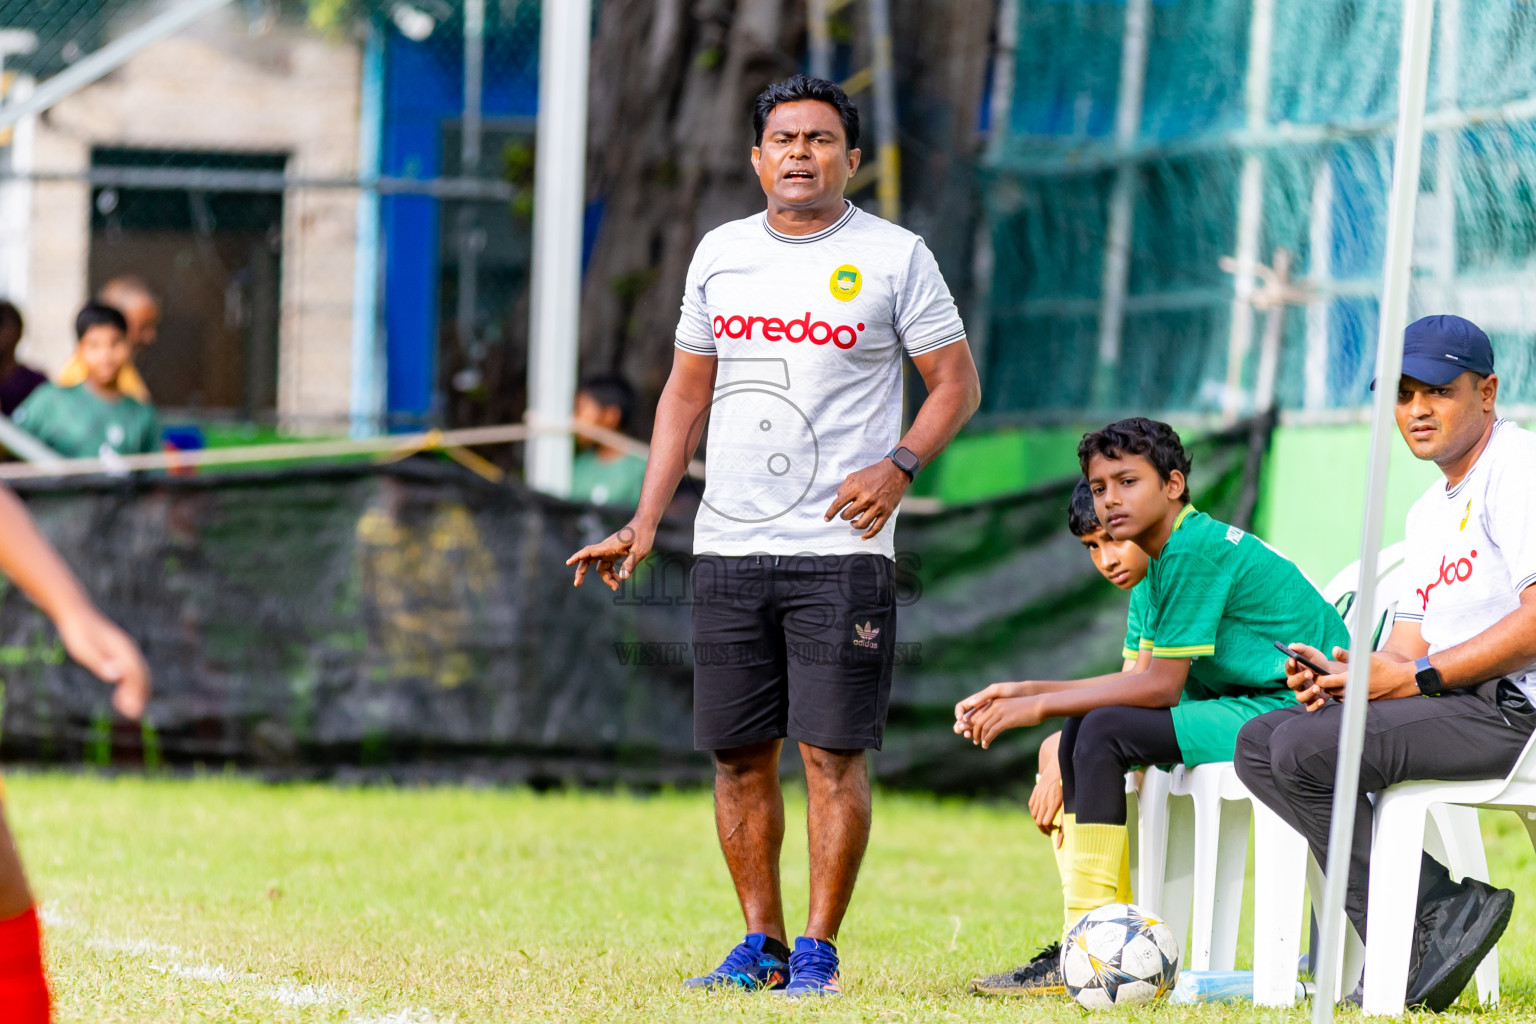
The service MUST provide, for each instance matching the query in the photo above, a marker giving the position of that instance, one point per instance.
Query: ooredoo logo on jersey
(1452, 571)
(817, 332)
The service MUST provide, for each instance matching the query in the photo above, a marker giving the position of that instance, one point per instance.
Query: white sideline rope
(295, 451)
(393, 444)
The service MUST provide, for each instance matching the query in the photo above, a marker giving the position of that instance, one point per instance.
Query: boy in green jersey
(95, 418)
(1216, 600)
(1123, 564)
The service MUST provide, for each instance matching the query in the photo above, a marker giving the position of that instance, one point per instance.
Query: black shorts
(792, 646)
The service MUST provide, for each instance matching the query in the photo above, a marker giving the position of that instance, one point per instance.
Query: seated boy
(1124, 564)
(1216, 600)
(93, 419)
(601, 474)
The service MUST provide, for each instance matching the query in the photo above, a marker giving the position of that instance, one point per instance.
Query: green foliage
(98, 748)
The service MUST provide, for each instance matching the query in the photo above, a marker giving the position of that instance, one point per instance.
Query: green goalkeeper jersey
(1221, 597)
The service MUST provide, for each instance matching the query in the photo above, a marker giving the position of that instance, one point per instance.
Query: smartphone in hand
(1303, 662)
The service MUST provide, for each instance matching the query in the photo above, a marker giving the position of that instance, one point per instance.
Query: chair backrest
(1341, 590)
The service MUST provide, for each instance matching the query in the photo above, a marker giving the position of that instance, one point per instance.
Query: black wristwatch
(905, 461)
(1428, 677)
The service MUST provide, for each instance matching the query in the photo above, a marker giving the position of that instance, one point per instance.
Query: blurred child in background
(133, 298)
(95, 418)
(601, 474)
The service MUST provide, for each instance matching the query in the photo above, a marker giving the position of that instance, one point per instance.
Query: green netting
(415, 621)
(1318, 164)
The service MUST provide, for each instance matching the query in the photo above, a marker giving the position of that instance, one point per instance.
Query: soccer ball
(1119, 955)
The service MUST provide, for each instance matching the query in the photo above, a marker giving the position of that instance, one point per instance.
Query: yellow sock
(1064, 863)
(1123, 891)
(1093, 876)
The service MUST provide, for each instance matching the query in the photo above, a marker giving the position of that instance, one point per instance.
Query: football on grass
(1119, 955)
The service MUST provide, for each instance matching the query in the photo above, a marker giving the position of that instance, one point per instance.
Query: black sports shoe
(1040, 977)
(1451, 938)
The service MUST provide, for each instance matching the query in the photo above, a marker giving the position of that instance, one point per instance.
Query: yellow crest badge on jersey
(1466, 515)
(846, 282)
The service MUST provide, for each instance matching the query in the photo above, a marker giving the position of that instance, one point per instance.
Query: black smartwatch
(905, 461)
(1428, 677)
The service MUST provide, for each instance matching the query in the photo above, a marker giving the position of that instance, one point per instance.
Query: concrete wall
(215, 87)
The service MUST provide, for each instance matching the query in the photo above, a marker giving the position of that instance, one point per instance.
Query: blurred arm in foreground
(90, 637)
(96, 642)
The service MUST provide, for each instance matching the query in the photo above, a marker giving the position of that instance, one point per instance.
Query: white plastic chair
(1401, 814)
(1193, 848)
(1455, 839)
(1163, 850)
(1340, 591)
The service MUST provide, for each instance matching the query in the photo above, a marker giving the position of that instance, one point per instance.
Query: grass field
(221, 899)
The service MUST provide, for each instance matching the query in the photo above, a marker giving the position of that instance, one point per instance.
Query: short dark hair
(1156, 442)
(611, 389)
(11, 324)
(1082, 517)
(804, 87)
(97, 314)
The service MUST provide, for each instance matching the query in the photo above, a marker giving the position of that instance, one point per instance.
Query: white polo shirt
(808, 330)
(1472, 548)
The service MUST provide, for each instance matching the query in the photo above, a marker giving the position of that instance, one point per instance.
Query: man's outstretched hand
(616, 556)
(97, 643)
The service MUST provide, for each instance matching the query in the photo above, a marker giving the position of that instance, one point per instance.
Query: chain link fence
(332, 199)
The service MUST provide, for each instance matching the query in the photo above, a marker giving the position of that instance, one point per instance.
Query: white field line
(169, 960)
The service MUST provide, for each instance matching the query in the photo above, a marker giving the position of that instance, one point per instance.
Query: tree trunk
(670, 135)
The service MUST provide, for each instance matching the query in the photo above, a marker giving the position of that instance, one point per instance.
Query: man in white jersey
(1451, 689)
(792, 330)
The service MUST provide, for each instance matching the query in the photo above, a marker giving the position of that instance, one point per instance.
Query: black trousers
(1287, 759)
(1098, 749)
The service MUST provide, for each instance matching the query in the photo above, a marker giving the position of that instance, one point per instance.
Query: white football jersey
(1471, 549)
(808, 330)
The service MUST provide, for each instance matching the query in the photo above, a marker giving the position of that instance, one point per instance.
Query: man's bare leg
(23, 985)
(15, 897)
(837, 783)
(749, 816)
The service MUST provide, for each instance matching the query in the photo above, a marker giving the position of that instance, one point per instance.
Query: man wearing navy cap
(1451, 689)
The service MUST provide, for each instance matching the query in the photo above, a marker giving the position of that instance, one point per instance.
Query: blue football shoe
(748, 967)
(813, 969)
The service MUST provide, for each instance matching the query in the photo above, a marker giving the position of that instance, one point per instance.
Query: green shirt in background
(78, 424)
(1222, 597)
(607, 481)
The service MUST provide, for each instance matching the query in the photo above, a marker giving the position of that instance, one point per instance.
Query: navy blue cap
(1438, 349)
